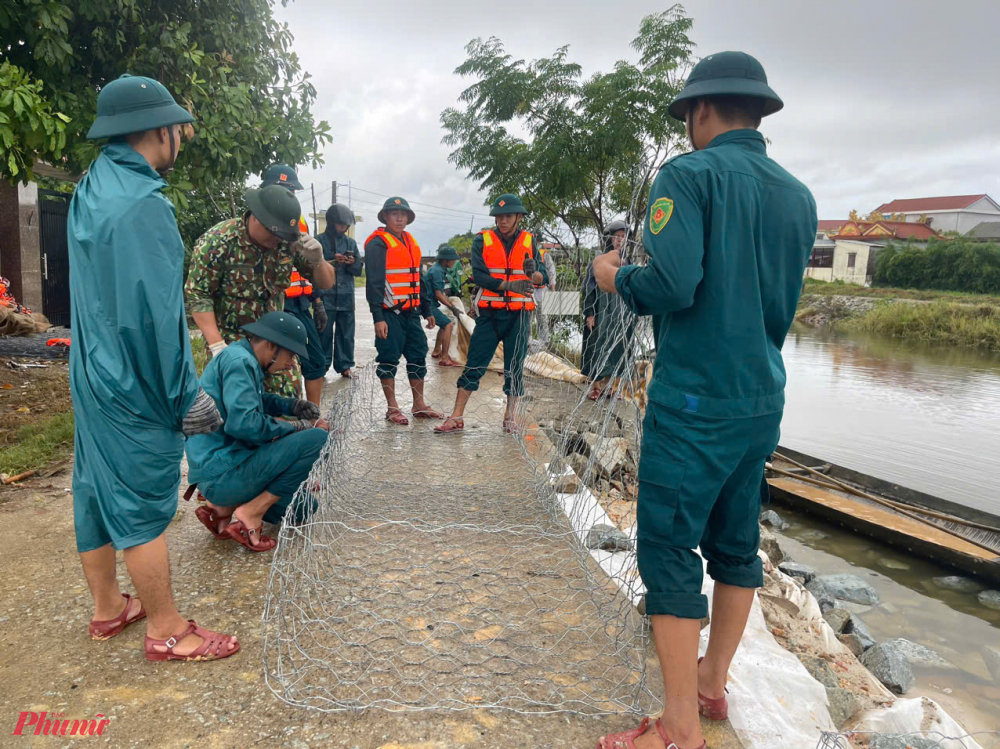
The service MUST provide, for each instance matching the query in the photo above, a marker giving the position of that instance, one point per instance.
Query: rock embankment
(823, 309)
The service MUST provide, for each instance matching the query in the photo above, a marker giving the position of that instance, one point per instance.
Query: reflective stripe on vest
(299, 286)
(402, 270)
(505, 268)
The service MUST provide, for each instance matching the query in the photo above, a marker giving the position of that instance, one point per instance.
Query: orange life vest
(299, 287)
(402, 269)
(505, 268)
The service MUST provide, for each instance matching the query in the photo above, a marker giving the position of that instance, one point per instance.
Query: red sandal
(626, 739)
(238, 531)
(212, 648)
(396, 417)
(108, 628)
(713, 708)
(510, 426)
(457, 426)
(428, 413)
(448, 363)
(210, 521)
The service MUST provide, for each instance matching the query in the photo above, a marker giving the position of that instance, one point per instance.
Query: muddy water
(923, 416)
(954, 625)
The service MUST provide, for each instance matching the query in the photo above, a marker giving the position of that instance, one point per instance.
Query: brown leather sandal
(108, 628)
(238, 531)
(396, 417)
(626, 739)
(457, 425)
(428, 413)
(713, 708)
(210, 520)
(214, 646)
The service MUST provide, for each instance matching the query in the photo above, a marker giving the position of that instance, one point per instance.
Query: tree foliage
(945, 265)
(229, 62)
(580, 153)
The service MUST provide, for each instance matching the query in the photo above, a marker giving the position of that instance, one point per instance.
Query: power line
(429, 205)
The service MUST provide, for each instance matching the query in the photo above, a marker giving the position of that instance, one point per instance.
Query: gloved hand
(203, 416)
(310, 248)
(518, 287)
(530, 266)
(319, 315)
(305, 409)
(217, 347)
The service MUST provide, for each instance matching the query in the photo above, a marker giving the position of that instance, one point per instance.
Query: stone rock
(990, 599)
(578, 463)
(843, 704)
(823, 596)
(820, 670)
(853, 643)
(608, 538)
(850, 588)
(919, 655)
(902, 741)
(837, 619)
(958, 584)
(794, 569)
(769, 543)
(992, 657)
(857, 627)
(889, 665)
(610, 453)
(641, 606)
(773, 519)
(567, 483)
(893, 564)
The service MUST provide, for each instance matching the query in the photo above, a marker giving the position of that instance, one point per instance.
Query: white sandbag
(920, 716)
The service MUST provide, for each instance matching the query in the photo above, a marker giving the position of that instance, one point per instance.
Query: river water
(925, 417)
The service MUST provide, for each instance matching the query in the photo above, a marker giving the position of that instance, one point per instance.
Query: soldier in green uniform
(728, 235)
(506, 267)
(392, 287)
(605, 333)
(301, 300)
(241, 267)
(438, 286)
(337, 337)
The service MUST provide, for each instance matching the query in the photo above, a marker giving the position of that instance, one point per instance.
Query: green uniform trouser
(406, 338)
(314, 365)
(337, 339)
(278, 467)
(442, 320)
(492, 328)
(700, 484)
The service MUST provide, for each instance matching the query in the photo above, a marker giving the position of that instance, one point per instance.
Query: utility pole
(349, 203)
(471, 219)
(312, 189)
(334, 186)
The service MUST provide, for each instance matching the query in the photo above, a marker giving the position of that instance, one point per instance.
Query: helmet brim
(278, 339)
(505, 211)
(259, 212)
(410, 215)
(724, 87)
(125, 123)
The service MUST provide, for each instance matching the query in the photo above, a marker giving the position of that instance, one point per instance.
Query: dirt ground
(47, 662)
(42, 389)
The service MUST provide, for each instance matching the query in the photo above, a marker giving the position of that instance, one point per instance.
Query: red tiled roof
(900, 229)
(919, 205)
(828, 225)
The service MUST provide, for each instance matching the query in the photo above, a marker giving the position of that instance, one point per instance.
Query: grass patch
(833, 288)
(939, 322)
(199, 352)
(38, 444)
(359, 281)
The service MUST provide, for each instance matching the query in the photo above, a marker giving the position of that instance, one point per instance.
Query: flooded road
(925, 417)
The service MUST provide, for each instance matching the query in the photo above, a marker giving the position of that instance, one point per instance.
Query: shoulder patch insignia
(660, 213)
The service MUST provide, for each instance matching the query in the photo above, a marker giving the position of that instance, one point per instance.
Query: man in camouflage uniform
(241, 268)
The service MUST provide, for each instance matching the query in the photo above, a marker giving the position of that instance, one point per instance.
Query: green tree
(228, 62)
(590, 147)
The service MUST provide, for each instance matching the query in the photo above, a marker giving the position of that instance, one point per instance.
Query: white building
(960, 213)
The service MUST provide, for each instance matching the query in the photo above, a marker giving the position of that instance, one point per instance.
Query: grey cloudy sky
(882, 99)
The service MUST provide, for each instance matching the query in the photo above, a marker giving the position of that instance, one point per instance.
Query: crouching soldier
(392, 287)
(249, 470)
(507, 267)
(438, 284)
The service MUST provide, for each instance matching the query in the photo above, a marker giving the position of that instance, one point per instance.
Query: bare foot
(252, 522)
(223, 516)
(107, 614)
(186, 645)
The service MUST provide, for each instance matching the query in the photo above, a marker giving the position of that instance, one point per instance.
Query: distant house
(958, 213)
(846, 250)
(987, 231)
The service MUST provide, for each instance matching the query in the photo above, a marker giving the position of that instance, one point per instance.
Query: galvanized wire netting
(923, 740)
(465, 571)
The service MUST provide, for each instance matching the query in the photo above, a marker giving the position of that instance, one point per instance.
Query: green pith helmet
(447, 252)
(281, 174)
(133, 104)
(732, 73)
(283, 329)
(507, 203)
(397, 203)
(277, 209)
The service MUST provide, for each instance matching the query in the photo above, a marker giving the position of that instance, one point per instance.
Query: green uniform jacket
(130, 370)
(237, 280)
(480, 271)
(235, 381)
(341, 297)
(437, 280)
(375, 252)
(728, 235)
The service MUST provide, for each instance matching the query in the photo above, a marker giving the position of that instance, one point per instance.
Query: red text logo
(45, 724)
